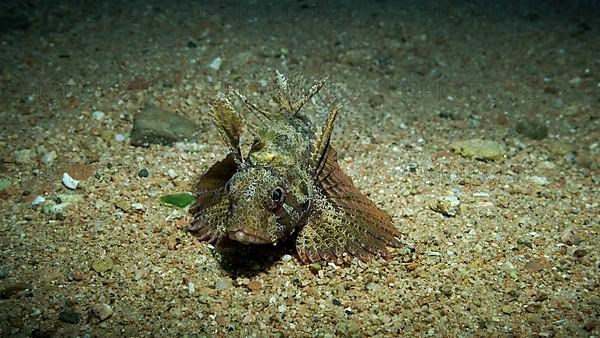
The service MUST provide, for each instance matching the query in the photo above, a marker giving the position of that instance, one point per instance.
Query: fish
(287, 186)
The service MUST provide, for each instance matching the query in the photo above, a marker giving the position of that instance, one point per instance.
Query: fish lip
(247, 238)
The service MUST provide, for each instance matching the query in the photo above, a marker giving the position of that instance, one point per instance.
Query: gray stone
(102, 311)
(153, 125)
(69, 316)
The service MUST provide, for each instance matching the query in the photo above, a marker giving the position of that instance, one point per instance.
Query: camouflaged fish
(288, 185)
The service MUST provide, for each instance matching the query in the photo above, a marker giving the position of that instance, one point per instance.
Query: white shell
(69, 181)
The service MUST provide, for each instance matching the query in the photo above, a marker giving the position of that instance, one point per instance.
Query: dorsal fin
(228, 124)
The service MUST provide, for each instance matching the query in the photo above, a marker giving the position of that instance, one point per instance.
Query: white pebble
(216, 63)
(172, 173)
(69, 181)
(191, 288)
(286, 258)
(39, 199)
(137, 206)
(539, 180)
(120, 137)
(98, 115)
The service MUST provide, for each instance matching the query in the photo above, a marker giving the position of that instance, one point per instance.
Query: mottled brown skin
(289, 184)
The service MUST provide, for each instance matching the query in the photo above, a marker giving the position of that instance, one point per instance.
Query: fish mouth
(246, 238)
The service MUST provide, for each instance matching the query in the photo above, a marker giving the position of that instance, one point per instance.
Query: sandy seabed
(506, 247)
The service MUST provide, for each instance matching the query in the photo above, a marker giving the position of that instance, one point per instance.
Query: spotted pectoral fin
(211, 209)
(345, 221)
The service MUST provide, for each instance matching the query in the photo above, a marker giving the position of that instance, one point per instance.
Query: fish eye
(278, 195)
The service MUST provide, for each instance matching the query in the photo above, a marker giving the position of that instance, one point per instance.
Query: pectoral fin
(211, 209)
(344, 220)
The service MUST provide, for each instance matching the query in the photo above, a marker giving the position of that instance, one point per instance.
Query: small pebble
(539, 180)
(216, 63)
(102, 311)
(69, 181)
(570, 236)
(138, 206)
(102, 265)
(38, 200)
(254, 285)
(143, 173)
(314, 267)
(49, 157)
(98, 115)
(172, 173)
(447, 205)
(120, 137)
(222, 284)
(286, 258)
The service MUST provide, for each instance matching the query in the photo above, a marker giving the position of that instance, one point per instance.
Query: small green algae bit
(180, 200)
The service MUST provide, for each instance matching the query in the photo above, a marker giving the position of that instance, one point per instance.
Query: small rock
(575, 81)
(98, 115)
(172, 173)
(24, 156)
(69, 181)
(153, 125)
(69, 316)
(532, 129)
(479, 149)
(38, 200)
(123, 205)
(570, 236)
(49, 157)
(143, 173)
(507, 309)
(102, 265)
(254, 285)
(286, 258)
(539, 180)
(215, 63)
(102, 311)
(120, 137)
(314, 267)
(447, 205)
(536, 265)
(222, 284)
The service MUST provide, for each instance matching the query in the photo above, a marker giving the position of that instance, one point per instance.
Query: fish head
(265, 206)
